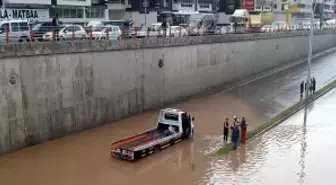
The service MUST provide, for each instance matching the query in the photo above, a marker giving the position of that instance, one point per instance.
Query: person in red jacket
(243, 127)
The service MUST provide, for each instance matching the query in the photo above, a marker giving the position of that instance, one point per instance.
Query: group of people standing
(311, 89)
(238, 129)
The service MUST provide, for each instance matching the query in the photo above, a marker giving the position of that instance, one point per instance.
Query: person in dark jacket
(243, 127)
(164, 26)
(226, 129)
(235, 136)
(314, 85)
(55, 26)
(301, 89)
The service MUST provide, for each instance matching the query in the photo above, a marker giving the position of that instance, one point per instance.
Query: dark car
(41, 28)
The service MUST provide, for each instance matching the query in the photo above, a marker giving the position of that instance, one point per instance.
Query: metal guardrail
(77, 32)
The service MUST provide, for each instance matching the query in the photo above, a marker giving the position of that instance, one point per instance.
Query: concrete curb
(287, 113)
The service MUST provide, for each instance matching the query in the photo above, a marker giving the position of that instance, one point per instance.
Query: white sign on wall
(11, 13)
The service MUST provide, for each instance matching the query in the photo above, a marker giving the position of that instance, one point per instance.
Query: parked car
(66, 33)
(41, 28)
(18, 30)
(267, 28)
(114, 33)
(177, 31)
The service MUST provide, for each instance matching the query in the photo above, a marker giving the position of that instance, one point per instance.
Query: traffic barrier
(172, 32)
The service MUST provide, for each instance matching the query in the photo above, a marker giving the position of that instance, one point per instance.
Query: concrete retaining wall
(45, 96)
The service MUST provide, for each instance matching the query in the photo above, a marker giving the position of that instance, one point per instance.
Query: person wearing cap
(235, 120)
(235, 135)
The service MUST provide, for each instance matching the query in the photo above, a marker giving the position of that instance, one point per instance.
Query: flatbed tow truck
(173, 126)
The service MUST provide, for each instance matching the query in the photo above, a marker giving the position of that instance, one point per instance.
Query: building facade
(21, 9)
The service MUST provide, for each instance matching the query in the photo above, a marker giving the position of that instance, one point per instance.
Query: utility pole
(196, 4)
(145, 4)
(322, 14)
(310, 50)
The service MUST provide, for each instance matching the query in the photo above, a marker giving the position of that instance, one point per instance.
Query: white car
(267, 29)
(67, 32)
(17, 30)
(177, 31)
(110, 31)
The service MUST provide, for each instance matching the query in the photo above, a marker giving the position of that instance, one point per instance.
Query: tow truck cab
(182, 122)
(173, 126)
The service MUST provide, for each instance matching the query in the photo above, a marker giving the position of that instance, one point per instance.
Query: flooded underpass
(84, 158)
(295, 152)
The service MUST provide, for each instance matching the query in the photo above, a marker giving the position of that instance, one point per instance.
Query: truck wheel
(172, 142)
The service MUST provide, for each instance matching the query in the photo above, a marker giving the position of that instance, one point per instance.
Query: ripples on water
(281, 155)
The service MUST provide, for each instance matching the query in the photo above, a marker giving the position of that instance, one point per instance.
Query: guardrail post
(121, 34)
(73, 33)
(53, 33)
(148, 31)
(31, 36)
(7, 34)
(180, 32)
(159, 32)
(90, 33)
(107, 33)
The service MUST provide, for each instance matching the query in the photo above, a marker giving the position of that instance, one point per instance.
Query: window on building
(69, 12)
(301, 5)
(15, 26)
(327, 7)
(204, 5)
(187, 3)
(275, 6)
(66, 13)
(95, 13)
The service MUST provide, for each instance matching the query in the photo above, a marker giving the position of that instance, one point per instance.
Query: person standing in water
(235, 135)
(243, 128)
(301, 88)
(226, 129)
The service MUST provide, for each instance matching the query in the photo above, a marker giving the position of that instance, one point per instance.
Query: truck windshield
(172, 117)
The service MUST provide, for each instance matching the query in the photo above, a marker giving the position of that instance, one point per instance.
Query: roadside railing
(77, 32)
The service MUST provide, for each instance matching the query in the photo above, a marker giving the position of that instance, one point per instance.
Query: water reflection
(283, 152)
(303, 144)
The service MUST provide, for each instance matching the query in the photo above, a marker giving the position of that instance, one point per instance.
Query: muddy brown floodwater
(84, 159)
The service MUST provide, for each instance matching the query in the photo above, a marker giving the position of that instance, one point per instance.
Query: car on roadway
(109, 32)
(177, 31)
(17, 30)
(67, 32)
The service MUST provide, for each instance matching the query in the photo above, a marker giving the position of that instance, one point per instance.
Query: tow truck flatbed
(173, 125)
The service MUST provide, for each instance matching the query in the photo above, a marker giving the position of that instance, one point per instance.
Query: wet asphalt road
(84, 159)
